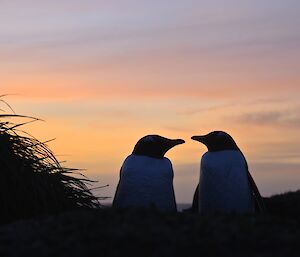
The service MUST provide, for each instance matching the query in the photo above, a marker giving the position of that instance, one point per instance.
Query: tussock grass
(32, 180)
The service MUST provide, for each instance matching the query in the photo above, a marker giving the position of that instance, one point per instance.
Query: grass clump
(32, 180)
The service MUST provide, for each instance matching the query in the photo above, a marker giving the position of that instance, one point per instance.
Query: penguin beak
(201, 139)
(175, 142)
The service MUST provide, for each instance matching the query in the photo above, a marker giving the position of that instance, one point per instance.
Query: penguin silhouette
(146, 176)
(226, 184)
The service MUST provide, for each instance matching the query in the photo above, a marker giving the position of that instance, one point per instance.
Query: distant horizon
(104, 74)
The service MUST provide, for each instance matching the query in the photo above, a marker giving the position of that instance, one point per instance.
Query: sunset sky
(102, 74)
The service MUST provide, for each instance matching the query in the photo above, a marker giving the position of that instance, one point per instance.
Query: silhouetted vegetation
(285, 205)
(32, 180)
(149, 232)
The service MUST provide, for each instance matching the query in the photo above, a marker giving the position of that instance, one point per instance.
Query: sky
(102, 74)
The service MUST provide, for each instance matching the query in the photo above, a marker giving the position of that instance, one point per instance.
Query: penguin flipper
(173, 191)
(258, 200)
(195, 205)
(174, 199)
(117, 191)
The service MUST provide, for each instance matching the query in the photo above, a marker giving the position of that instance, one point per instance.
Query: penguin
(226, 185)
(146, 176)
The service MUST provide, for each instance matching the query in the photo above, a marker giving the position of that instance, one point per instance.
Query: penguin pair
(146, 177)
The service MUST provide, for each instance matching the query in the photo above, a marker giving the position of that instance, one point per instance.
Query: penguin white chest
(224, 185)
(146, 181)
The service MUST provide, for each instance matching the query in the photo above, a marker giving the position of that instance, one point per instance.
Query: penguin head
(155, 146)
(217, 141)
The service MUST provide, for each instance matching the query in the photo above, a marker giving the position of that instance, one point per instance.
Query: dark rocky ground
(141, 232)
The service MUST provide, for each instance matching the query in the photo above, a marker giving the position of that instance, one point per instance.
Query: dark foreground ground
(151, 233)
